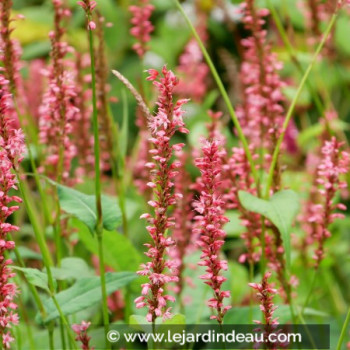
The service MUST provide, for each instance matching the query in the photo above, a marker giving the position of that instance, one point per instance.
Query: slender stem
(224, 95)
(103, 287)
(99, 224)
(312, 286)
(294, 59)
(293, 105)
(344, 331)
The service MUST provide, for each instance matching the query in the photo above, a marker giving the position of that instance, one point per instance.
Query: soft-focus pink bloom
(209, 223)
(58, 110)
(11, 154)
(334, 164)
(81, 331)
(183, 215)
(261, 113)
(167, 121)
(10, 50)
(142, 26)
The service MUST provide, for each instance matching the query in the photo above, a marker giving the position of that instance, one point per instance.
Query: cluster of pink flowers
(261, 113)
(58, 110)
(11, 154)
(168, 120)
(334, 163)
(88, 6)
(265, 296)
(238, 172)
(142, 26)
(209, 223)
(81, 331)
(10, 50)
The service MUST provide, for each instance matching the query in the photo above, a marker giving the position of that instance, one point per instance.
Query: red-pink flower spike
(10, 50)
(209, 225)
(11, 154)
(163, 125)
(81, 331)
(142, 26)
(58, 110)
(333, 164)
(262, 111)
(265, 296)
(88, 6)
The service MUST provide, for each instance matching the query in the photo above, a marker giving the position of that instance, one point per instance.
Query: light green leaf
(85, 293)
(280, 209)
(83, 207)
(34, 277)
(74, 268)
(26, 253)
(233, 227)
(177, 319)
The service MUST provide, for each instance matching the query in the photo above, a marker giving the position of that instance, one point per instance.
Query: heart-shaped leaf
(281, 209)
(85, 293)
(83, 207)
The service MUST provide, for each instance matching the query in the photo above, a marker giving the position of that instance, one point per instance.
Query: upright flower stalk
(210, 221)
(334, 163)
(142, 26)
(11, 154)
(167, 121)
(58, 112)
(262, 111)
(88, 6)
(265, 294)
(10, 49)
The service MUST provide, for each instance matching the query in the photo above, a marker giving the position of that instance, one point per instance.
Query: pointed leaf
(34, 277)
(83, 207)
(280, 209)
(85, 293)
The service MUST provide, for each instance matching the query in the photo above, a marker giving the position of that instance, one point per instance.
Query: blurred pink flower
(81, 331)
(334, 164)
(142, 26)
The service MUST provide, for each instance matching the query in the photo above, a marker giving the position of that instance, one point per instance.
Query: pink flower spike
(210, 222)
(161, 271)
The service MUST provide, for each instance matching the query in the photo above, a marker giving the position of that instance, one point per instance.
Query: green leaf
(26, 253)
(85, 293)
(118, 250)
(233, 227)
(177, 319)
(34, 277)
(83, 207)
(71, 268)
(280, 209)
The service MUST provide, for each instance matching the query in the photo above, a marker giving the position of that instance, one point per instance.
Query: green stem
(40, 238)
(224, 95)
(344, 331)
(293, 105)
(99, 225)
(312, 286)
(293, 57)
